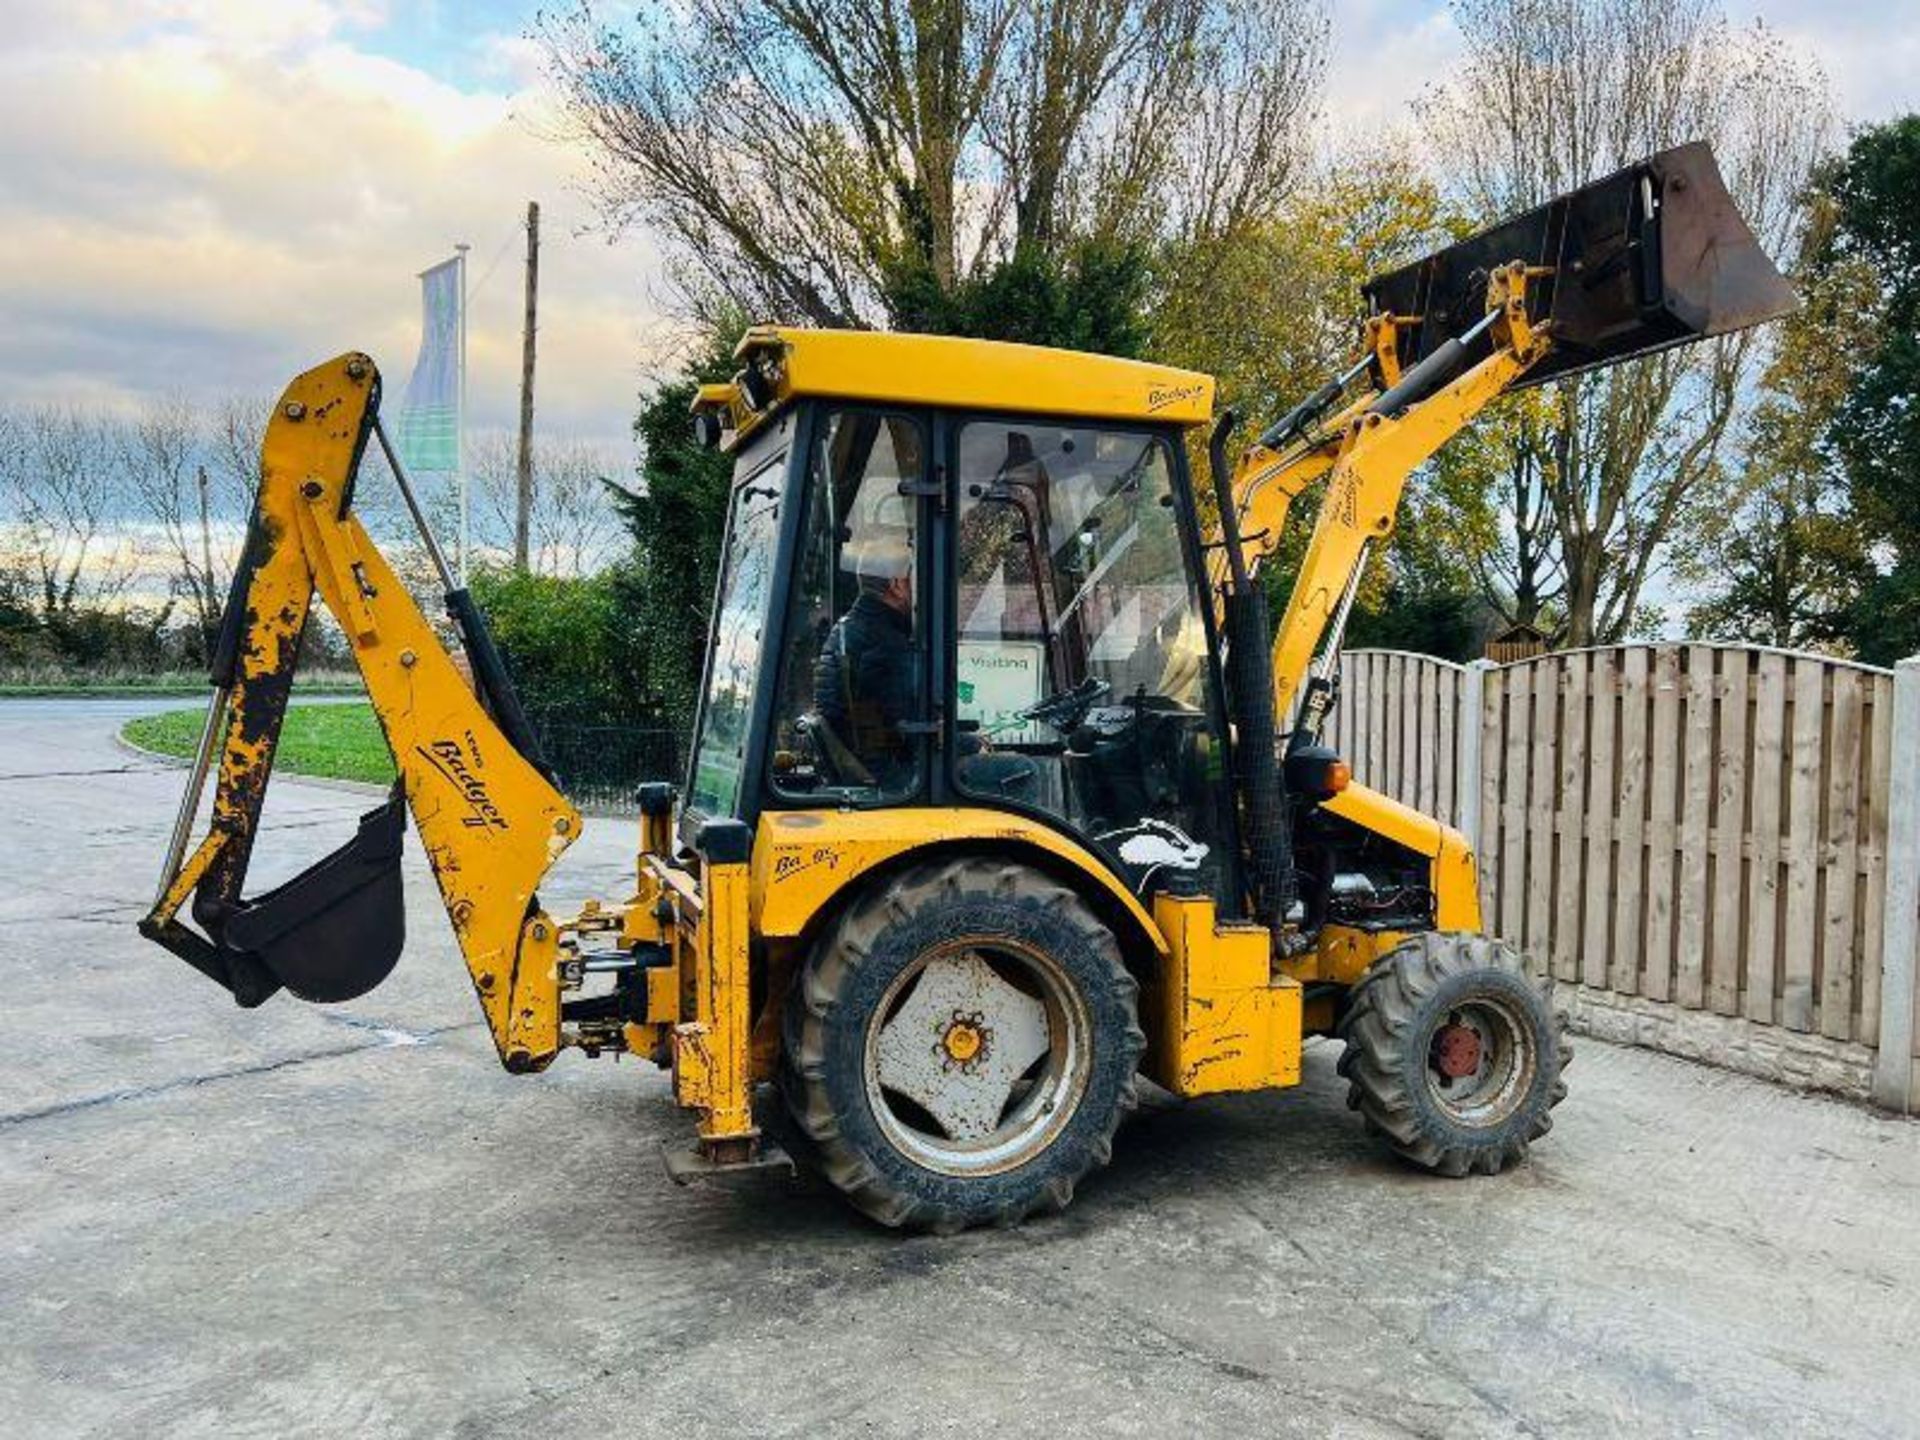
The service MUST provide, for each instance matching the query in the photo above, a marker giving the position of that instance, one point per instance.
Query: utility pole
(209, 595)
(523, 503)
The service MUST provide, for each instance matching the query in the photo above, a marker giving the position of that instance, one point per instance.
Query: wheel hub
(967, 1040)
(1456, 1051)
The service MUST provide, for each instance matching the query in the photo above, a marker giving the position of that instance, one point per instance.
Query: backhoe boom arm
(491, 820)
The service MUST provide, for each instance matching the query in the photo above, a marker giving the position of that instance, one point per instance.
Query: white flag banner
(429, 429)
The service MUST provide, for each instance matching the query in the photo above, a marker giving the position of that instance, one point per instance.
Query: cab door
(851, 719)
(1083, 686)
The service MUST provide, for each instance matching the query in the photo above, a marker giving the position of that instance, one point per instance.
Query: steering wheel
(1068, 708)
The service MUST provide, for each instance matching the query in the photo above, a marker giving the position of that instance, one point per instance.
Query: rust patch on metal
(1456, 1051)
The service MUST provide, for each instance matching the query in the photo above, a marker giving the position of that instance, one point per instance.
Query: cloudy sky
(205, 196)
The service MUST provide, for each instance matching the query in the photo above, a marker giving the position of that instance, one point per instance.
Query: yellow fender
(803, 860)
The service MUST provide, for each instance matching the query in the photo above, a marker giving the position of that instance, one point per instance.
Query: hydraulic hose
(1265, 813)
(490, 675)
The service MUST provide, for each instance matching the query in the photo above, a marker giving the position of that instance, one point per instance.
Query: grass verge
(43, 682)
(339, 742)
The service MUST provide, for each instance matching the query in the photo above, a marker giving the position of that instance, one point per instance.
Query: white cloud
(1385, 52)
(1871, 52)
(209, 195)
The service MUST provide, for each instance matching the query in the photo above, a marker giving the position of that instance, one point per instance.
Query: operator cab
(944, 603)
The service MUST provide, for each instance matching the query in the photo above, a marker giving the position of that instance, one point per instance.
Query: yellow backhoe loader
(1005, 790)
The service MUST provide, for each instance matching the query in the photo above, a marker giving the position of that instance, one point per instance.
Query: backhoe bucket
(1653, 256)
(331, 933)
(336, 929)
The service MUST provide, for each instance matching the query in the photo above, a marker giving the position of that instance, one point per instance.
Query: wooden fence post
(1466, 746)
(1900, 923)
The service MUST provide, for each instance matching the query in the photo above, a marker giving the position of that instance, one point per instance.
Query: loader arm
(1652, 256)
(1376, 446)
(1363, 449)
(490, 819)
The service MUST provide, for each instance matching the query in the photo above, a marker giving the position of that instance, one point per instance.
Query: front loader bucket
(1652, 256)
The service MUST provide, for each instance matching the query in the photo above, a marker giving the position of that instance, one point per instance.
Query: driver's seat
(830, 751)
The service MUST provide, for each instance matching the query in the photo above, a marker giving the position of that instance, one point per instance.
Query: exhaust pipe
(1652, 256)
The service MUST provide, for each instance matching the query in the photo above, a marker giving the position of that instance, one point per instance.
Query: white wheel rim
(977, 1056)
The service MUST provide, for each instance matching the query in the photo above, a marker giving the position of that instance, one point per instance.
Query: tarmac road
(350, 1221)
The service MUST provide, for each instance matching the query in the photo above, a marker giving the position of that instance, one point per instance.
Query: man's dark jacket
(866, 682)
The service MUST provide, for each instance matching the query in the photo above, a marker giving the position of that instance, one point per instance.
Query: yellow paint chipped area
(490, 823)
(1220, 1020)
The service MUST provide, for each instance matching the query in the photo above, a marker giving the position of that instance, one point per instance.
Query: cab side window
(1080, 646)
(853, 675)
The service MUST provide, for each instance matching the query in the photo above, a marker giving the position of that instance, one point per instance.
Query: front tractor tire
(961, 1047)
(1454, 1053)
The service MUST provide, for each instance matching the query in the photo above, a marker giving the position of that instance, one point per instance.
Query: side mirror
(755, 386)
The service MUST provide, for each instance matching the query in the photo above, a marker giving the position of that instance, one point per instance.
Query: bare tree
(162, 455)
(491, 474)
(801, 156)
(1174, 119)
(16, 568)
(573, 527)
(65, 500)
(237, 428)
(1254, 92)
(576, 530)
(1553, 93)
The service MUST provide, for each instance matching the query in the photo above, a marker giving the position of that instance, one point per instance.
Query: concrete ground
(350, 1221)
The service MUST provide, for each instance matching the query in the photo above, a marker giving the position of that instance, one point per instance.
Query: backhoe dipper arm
(491, 821)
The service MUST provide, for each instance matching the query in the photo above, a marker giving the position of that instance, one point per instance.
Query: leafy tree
(1492, 478)
(1092, 298)
(558, 636)
(1272, 308)
(1786, 566)
(662, 595)
(1551, 94)
(1877, 430)
(1271, 311)
(1420, 593)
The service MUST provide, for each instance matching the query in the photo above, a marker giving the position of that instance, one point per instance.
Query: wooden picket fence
(1708, 827)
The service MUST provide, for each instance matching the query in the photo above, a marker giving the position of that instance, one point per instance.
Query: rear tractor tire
(1454, 1053)
(961, 1047)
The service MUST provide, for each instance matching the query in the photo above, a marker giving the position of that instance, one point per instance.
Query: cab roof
(780, 364)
